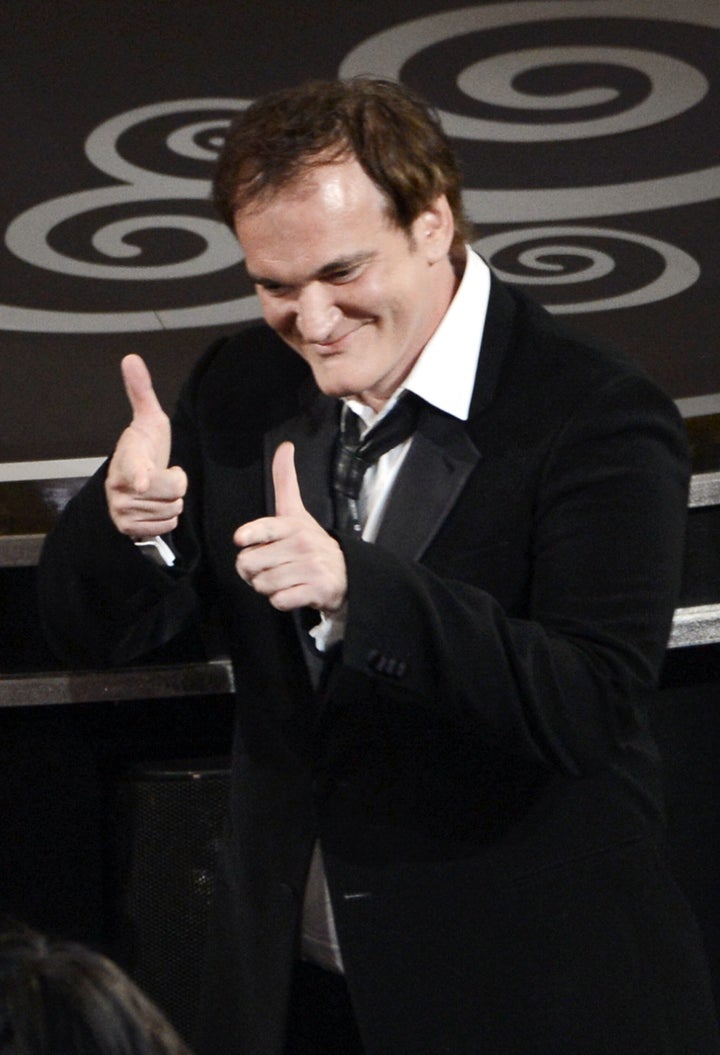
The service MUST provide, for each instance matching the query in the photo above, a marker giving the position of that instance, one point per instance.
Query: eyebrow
(331, 268)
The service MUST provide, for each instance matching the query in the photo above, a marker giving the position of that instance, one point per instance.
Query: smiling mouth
(337, 346)
(327, 351)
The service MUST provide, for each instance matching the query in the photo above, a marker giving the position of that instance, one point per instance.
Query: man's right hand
(144, 496)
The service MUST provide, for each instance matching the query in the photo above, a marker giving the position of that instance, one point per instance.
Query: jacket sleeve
(561, 680)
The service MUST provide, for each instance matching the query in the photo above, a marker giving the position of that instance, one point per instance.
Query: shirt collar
(444, 373)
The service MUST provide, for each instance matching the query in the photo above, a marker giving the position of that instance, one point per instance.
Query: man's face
(353, 294)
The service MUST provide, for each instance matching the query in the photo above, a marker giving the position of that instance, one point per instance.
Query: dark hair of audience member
(62, 998)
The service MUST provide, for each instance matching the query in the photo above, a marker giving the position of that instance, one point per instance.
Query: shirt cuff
(157, 549)
(329, 630)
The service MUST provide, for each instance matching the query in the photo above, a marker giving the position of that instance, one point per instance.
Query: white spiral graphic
(680, 270)
(492, 81)
(27, 237)
(676, 87)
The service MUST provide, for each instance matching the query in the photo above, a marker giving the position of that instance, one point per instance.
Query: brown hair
(394, 135)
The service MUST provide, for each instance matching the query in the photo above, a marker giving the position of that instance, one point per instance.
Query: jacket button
(392, 668)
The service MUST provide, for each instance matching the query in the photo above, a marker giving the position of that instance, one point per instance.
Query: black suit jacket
(477, 761)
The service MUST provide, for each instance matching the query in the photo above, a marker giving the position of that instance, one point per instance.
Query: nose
(317, 313)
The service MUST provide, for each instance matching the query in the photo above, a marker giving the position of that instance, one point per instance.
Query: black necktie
(354, 456)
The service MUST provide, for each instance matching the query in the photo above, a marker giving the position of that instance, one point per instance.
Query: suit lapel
(440, 459)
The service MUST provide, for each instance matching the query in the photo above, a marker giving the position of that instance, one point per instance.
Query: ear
(433, 230)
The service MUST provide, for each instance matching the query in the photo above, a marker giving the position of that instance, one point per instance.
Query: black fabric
(354, 455)
(321, 1020)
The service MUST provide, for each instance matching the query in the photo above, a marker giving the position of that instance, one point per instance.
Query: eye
(274, 289)
(344, 274)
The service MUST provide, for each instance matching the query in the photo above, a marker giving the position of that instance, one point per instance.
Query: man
(446, 817)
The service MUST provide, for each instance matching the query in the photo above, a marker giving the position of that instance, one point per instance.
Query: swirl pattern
(30, 236)
(547, 99)
(501, 89)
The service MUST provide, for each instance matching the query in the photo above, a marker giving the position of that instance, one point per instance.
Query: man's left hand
(289, 557)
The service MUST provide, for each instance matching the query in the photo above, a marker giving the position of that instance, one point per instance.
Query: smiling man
(446, 540)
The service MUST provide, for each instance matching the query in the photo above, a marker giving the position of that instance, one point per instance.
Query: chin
(337, 391)
(334, 386)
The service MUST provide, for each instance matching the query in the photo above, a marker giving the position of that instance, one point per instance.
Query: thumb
(139, 387)
(150, 424)
(288, 500)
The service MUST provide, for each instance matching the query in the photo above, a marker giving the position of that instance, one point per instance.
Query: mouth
(339, 345)
(323, 352)
(329, 349)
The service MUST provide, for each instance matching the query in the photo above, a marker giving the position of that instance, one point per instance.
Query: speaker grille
(169, 820)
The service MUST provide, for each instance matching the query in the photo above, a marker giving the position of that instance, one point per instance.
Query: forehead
(335, 210)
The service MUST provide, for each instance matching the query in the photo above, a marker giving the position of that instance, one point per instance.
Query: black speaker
(169, 818)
